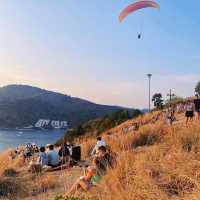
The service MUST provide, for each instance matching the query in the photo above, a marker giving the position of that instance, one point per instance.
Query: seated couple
(45, 160)
(51, 158)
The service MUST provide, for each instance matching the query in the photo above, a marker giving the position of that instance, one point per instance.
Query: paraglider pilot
(139, 35)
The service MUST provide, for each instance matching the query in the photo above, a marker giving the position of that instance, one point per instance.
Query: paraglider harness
(139, 35)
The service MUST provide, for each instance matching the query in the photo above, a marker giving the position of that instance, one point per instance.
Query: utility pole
(149, 77)
(170, 95)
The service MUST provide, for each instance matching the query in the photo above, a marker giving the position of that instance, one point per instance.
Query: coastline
(12, 138)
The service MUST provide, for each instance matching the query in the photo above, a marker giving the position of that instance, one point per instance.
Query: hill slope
(22, 105)
(156, 161)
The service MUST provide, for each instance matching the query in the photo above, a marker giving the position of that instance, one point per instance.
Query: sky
(77, 47)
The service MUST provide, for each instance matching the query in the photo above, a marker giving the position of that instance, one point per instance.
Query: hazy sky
(77, 47)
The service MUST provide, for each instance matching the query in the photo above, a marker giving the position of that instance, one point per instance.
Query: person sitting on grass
(43, 158)
(53, 157)
(84, 182)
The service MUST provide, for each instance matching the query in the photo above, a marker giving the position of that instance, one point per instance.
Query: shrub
(148, 135)
(190, 142)
(146, 139)
(73, 198)
(11, 187)
(10, 172)
(178, 185)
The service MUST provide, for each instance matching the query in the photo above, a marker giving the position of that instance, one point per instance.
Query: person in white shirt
(100, 142)
(53, 157)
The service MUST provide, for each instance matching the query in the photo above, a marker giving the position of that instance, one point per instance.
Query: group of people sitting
(30, 149)
(102, 160)
(50, 157)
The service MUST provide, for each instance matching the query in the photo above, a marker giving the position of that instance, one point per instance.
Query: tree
(197, 88)
(158, 101)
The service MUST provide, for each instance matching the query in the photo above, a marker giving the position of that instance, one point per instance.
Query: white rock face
(54, 123)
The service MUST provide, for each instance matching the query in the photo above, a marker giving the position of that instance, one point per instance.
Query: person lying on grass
(84, 182)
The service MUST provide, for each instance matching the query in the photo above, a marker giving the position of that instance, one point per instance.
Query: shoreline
(12, 138)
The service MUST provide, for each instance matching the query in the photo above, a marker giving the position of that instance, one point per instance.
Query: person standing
(64, 153)
(189, 113)
(171, 115)
(197, 106)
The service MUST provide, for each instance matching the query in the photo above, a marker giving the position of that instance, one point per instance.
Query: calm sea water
(14, 138)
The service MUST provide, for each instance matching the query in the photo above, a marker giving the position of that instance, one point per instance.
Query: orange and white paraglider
(141, 4)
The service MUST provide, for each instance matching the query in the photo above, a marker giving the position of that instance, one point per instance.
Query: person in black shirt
(197, 107)
(64, 153)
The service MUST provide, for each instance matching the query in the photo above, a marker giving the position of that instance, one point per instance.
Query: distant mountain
(145, 110)
(22, 105)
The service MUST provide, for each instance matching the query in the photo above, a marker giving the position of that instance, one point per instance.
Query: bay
(14, 138)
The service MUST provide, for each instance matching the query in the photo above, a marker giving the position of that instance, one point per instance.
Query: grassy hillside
(156, 161)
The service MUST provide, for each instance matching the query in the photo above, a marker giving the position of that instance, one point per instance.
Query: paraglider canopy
(137, 6)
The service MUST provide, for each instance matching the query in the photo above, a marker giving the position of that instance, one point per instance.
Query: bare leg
(186, 121)
(198, 115)
(75, 187)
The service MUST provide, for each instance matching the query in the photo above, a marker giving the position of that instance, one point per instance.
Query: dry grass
(12, 188)
(154, 162)
(87, 147)
(46, 182)
(4, 161)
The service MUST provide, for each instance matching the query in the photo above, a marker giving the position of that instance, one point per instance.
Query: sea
(12, 138)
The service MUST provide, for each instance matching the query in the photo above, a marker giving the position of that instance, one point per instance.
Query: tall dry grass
(5, 160)
(155, 162)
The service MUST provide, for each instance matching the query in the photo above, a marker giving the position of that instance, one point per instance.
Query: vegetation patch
(10, 172)
(73, 198)
(11, 188)
(178, 185)
(190, 142)
(146, 139)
